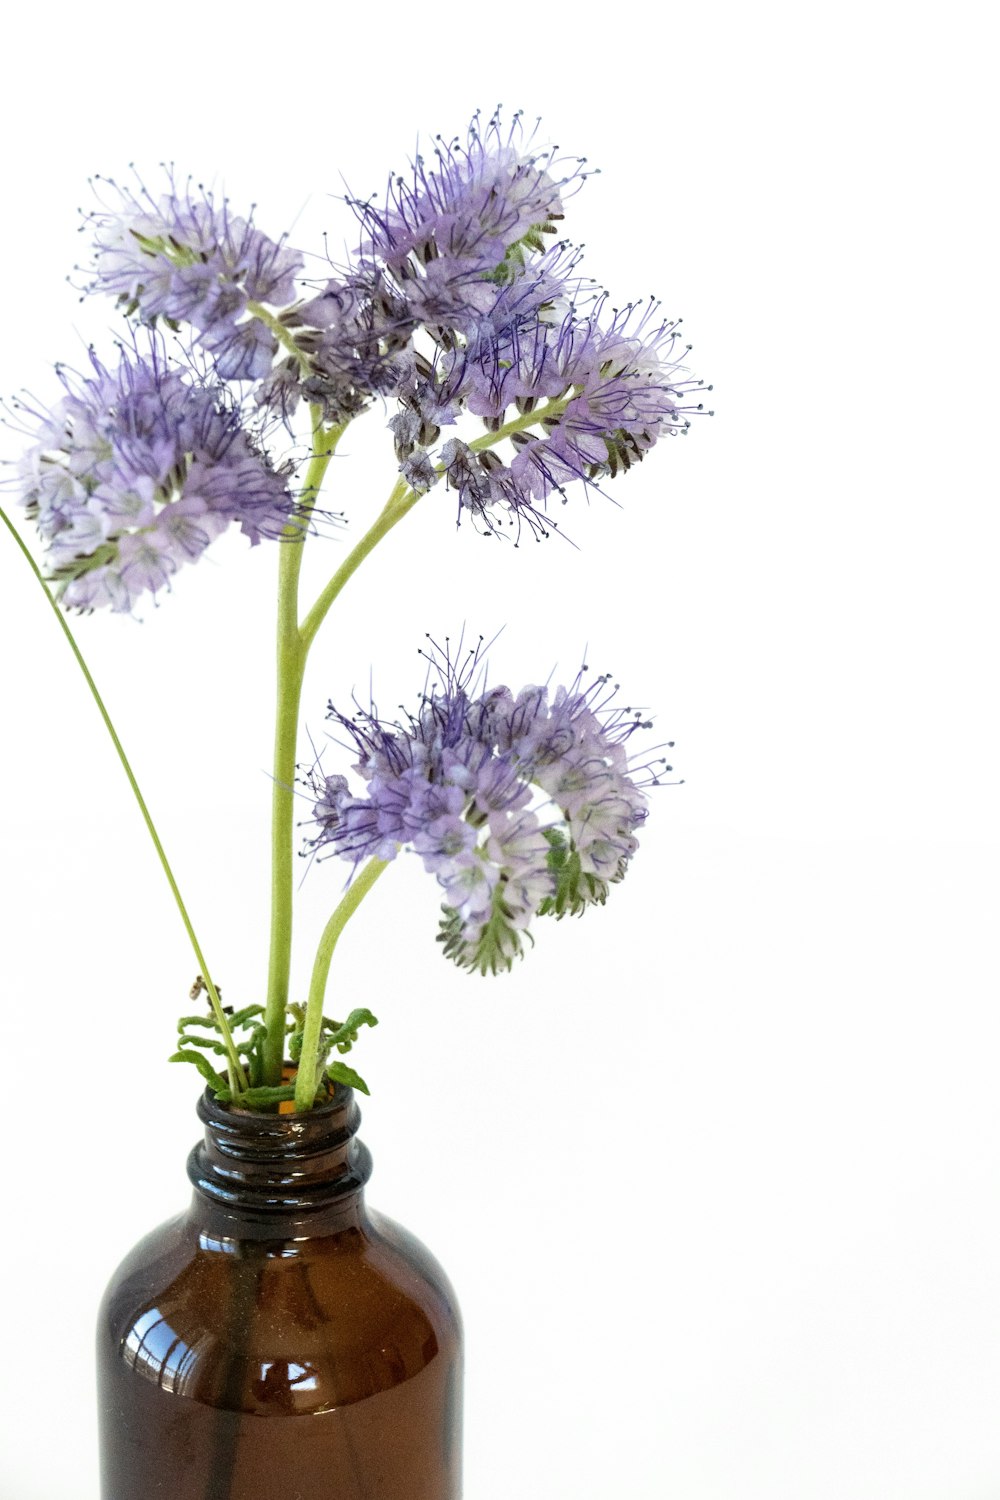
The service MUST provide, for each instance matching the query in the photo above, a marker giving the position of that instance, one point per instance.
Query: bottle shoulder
(310, 1323)
(403, 1255)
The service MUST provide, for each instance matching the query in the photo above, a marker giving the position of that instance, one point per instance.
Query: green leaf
(340, 1073)
(213, 1045)
(260, 1098)
(343, 1034)
(215, 1081)
(240, 1018)
(243, 1016)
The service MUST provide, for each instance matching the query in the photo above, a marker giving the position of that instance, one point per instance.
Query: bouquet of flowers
(508, 384)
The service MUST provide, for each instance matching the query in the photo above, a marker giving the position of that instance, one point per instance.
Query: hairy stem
(400, 502)
(294, 643)
(237, 1077)
(291, 661)
(553, 408)
(306, 1080)
(281, 333)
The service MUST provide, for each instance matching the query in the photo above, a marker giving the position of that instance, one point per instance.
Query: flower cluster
(520, 806)
(430, 276)
(458, 309)
(506, 377)
(454, 304)
(185, 258)
(136, 471)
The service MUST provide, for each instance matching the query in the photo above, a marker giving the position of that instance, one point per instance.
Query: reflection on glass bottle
(280, 1341)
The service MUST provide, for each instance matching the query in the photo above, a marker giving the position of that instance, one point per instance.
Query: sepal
(498, 944)
(576, 889)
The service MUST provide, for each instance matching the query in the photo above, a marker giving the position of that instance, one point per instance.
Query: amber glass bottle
(279, 1341)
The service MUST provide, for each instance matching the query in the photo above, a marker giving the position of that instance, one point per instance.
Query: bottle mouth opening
(289, 1073)
(283, 1119)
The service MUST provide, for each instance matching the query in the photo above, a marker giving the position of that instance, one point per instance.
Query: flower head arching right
(521, 806)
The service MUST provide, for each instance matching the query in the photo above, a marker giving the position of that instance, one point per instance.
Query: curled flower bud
(520, 807)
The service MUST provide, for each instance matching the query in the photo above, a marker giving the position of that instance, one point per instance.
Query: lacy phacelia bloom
(188, 259)
(456, 304)
(577, 401)
(437, 265)
(466, 219)
(520, 806)
(357, 335)
(135, 472)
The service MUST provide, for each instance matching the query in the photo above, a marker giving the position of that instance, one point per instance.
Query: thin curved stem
(306, 1081)
(550, 409)
(401, 501)
(237, 1076)
(281, 333)
(294, 643)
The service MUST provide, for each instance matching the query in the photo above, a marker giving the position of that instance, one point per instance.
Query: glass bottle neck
(278, 1176)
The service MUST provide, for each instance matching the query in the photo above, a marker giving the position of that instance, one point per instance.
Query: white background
(716, 1172)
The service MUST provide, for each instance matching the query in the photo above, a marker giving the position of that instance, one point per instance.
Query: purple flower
(456, 304)
(360, 336)
(418, 471)
(188, 259)
(608, 394)
(438, 258)
(355, 336)
(483, 483)
(576, 400)
(520, 807)
(454, 222)
(135, 471)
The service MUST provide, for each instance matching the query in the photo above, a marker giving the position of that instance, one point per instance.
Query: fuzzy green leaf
(215, 1081)
(340, 1073)
(242, 1017)
(210, 1042)
(343, 1034)
(260, 1098)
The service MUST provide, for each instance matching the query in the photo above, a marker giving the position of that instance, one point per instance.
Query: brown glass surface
(280, 1341)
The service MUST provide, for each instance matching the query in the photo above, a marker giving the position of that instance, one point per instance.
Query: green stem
(237, 1077)
(306, 1081)
(400, 502)
(291, 661)
(294, 643)
(281, 333)
(553, 408)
